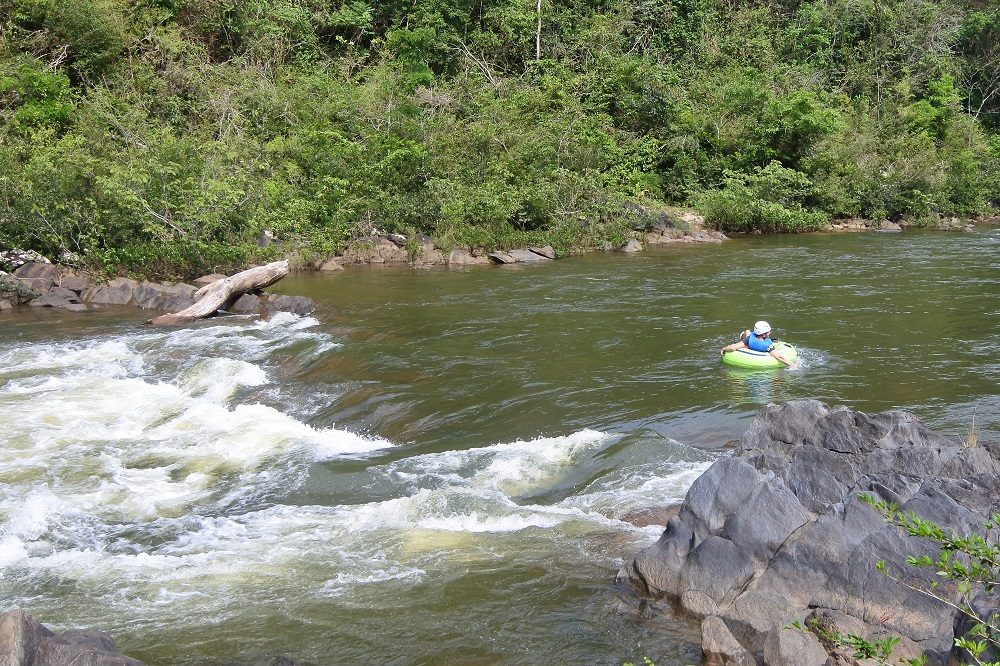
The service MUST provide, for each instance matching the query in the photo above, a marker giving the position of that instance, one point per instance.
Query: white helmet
(761, 328)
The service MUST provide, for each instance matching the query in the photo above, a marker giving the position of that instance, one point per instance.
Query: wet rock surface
(776, 534)
(24, 641)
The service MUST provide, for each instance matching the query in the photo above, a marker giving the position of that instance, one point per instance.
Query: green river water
(446, 466)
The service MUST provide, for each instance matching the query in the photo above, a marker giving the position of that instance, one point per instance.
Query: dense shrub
(771, 199)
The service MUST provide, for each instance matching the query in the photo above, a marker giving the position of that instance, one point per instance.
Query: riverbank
(31, 279)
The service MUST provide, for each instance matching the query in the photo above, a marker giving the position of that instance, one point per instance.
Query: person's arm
(736, 345)
(776, 354)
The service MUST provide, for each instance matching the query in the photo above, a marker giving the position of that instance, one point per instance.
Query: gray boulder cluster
(421, 251)
(775, 535)
(42, 284)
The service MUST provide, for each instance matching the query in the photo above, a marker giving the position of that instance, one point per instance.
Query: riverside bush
(767, 200)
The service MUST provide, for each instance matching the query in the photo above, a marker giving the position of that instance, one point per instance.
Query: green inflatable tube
(747, 358)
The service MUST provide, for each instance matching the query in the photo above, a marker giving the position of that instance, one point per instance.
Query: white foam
(343, 582)
(84, 420)
(217, 379)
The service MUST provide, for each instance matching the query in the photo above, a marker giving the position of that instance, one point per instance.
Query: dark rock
(67, 294)
(246, 304)
(75, 283)
(719, 647)
(714, 574)
(16, 291)
(163, 296)
(793, 646)
(35, 285)
(332, 264)
(35, 269)
(119, 291)
(24, 641)
(56, 300)
(777, 529)
(299, 305)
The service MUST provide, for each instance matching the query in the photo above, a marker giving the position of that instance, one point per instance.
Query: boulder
(24, 641)
(632, 246)
(786, 645)
(332, 264)
(776, 531)
(163, 296)
(429, 256)
(502, 258)
(16, 291)
(119, 291)
(376, 251)
(206, 280)
(35, 285)
(246, 304)
(11, 260)
(37, 269)
(58, 297)
(545, 251)
(299, 305)
(463, 257)
(526, 256)
(719, 647)
(73, 282)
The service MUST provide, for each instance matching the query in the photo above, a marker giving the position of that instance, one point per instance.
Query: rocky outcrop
(776, 534)
(421, 251)
(942, 223)
(24, 641)
(523, 256)
(42, 284)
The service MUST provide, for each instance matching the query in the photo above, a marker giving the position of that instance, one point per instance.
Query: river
(446, 466)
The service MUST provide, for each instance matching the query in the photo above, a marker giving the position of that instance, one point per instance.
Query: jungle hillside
(173, 133)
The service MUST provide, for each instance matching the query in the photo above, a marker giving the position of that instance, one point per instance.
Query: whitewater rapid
(149, 476)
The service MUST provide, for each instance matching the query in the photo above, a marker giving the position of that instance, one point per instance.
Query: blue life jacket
(756, 344)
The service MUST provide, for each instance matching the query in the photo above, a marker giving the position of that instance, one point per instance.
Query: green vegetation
(969, 565)
(179, 130)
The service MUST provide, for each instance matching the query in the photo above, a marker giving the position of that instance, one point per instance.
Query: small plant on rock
(971, 562)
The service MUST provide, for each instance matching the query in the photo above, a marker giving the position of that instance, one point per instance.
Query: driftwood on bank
(222, 293)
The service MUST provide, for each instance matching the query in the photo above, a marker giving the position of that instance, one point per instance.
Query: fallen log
(223, 293)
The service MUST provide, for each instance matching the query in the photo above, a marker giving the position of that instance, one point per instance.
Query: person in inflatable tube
(758, 339)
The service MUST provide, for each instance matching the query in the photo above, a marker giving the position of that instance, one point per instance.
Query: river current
(446, 466)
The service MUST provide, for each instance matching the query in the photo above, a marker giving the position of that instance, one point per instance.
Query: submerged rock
(776, 534)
